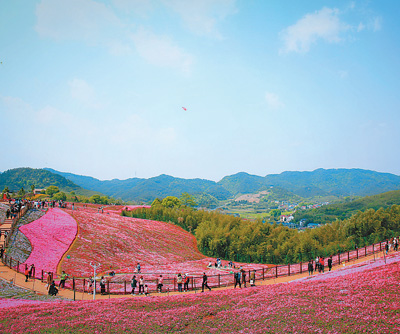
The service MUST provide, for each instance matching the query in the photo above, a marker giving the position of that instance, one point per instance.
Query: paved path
(40, 288)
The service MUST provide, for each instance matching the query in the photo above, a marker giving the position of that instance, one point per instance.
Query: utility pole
(95, 266)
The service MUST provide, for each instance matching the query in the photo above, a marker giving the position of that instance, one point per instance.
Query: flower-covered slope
(119, 243)
(357, 301)
(50, 237)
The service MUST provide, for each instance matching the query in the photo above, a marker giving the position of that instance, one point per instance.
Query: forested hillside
(346, 209)
(235, 239)
(18, 178)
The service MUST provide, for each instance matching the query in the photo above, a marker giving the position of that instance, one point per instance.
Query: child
(146, 290)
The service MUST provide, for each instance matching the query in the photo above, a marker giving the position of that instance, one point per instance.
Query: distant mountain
(321, 182)
(148, 189)
(18, 178)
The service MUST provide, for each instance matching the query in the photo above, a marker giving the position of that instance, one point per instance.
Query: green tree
(95, 199)
(156, 202)
(51, 190)
(171, 202)
(6, 190)
(32, 188)
(104, 200)
(188, 200)
(60, 196)
(21, 192)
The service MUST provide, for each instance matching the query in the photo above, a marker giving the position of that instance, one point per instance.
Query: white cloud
(161, 51)
(273, 101)
(360, 27)
(324, 24)
(84, 93)
(86, 20)
(202, 16)
(377, 24)
(141, 7)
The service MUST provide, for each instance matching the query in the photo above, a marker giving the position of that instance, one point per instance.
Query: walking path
(5, 226)
(40, 288)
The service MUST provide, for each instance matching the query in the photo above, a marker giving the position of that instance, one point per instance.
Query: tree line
(236, 239)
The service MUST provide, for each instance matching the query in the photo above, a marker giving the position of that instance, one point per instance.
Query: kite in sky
(184, 108)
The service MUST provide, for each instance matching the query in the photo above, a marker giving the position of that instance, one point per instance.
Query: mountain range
(320, 182)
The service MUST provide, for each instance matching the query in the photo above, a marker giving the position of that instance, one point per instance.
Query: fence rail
(116, 285)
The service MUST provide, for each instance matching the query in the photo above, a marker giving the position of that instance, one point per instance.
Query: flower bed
(364, 299)
(50, 237)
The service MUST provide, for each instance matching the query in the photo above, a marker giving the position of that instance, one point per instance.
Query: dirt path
(40, 288)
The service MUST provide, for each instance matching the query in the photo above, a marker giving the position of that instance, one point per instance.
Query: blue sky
(97, 87)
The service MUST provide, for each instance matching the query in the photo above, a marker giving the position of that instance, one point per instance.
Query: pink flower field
(118, 243)
(360, 299)
(50, 237)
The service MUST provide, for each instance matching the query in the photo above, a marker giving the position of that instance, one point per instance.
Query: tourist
(330, 263)
(90, 285)
(133, 284)
(53, 290)
(243, 274)
(179, 280)
(138, 268)
(63, 278)
(146, 290)
(186, 280)
(236, 278)
(1, 252)
(102, 285)
(49, 279)
(26, 273)
(204, 283)
(160, 281)
(310, 268)
(141, 285)
(387, 247)
(396, 244)
(253, 278)
(8, 214)
(321, 264)
(316, 263)
(32, 271)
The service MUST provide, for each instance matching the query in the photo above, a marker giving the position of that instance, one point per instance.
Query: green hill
(346, 209)
(18, 178)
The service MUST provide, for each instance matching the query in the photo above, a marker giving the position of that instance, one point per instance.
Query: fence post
(84, 284)
(108, 287)
(174, 284)
(380, 245)
(289, 269)
(18, 266)
(339, 257)
(219, 280)
(348, 256)
(276, 271)
(42, 276)
(301, 267)
(124, 287)
(263, 274)
(365, 250)
(357, 253)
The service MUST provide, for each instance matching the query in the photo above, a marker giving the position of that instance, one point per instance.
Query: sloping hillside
(18, 178)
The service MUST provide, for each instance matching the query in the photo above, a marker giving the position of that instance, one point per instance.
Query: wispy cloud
(273, 101)
(84, 93)
(161, 50)
(202, 17)
(323, 24)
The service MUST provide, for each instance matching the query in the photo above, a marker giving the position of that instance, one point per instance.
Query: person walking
(133, 284)
(310, 268)
(102, 285)
(243, 274)
(90, 285)
(253, 278)
(26, 274)
(330, 263)
(160, 281)
(49, 279)
(63, 278)
(179, 281)
(141, 285)
(204, 283)
(186, 280)
(236, 277)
